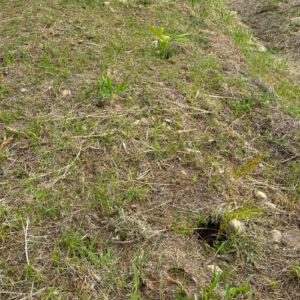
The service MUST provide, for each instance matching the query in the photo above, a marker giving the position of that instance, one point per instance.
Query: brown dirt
(272, 23)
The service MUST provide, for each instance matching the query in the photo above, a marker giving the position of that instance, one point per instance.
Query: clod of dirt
(210, 232)
(260, 195)
(66, 93)
(236, 227)
(275, 236)
(214, 270)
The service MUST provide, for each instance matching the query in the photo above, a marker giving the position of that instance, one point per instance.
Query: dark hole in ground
(210, 232)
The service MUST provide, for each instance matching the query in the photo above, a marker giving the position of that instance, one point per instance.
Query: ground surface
(275, 22)
(113, 153)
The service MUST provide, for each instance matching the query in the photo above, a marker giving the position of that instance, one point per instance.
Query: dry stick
(156, 207)
(26, 240)
(65, 168)
(183, 106)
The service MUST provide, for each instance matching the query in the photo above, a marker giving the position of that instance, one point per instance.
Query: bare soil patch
(274, 22)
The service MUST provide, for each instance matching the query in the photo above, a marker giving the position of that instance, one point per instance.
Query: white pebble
(236, 227)
(260, 195)
(275, 236)
(262, 48)
(66, 93)
(270, 205)
(215, 270)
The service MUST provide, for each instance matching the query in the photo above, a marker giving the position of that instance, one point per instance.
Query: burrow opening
(211, 232)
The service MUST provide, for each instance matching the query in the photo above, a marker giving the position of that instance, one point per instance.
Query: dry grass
(99, 197)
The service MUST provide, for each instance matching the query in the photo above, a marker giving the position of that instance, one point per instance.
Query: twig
(289, 159)
(65, 168)
(183, 106)
(158, 206)
(26, 240)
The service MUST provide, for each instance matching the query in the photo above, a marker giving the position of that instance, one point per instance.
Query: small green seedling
(295, 272)
(162, 42)
(107, 89)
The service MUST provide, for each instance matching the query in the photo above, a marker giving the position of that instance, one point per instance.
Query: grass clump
(163, 41)
(112, 195)
(107, 88)
(295, 272)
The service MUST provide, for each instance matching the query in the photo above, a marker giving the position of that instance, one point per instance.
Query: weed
(31, 274)
(214, 290)
(99, 183)
(82, 247)
(107, 88)
(295, 272)
(249, 166)
(209, 292)
(137, 281)
(231, 292)
(180, 226)
(163, 41)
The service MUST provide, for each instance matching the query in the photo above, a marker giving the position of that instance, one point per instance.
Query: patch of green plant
(107, 88)
(137, 266)
(2, 91)
(249, 166)
(209, 292)
(31, 274)
(51, 294)
(108, 193)
(45, 204)
(294, 174)
(295, 272)
(163, 41)
(55, 62)
(231, 292)
(208, 73)
(212, 291)
(180, 226)
(9, 116)
(82, 247)
(243, 213)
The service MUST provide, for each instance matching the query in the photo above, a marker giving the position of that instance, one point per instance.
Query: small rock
(214, 270)
(262, 48)
(275, 236)
(184, 173)
(236, 227)
(270, 205)
(260, 195)
(66, 93)
(23, 90)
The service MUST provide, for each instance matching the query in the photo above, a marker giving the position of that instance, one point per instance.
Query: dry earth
(118, 158)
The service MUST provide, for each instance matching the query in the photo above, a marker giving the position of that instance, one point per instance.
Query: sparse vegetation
(126, 149)
(163, 41)
(107, 89)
